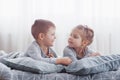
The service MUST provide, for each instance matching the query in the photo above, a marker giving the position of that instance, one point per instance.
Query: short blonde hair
(41, 26)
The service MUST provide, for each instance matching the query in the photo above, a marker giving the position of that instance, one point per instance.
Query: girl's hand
(94, 54)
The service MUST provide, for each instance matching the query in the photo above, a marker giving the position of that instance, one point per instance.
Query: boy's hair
(87, 33)
(40, 26)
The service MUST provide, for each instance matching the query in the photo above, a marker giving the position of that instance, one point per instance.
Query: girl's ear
(41, 36)
(85, 43)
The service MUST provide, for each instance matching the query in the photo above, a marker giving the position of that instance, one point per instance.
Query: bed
(22, 75)
(6, 73)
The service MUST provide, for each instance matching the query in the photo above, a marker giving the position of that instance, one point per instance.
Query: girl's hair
(86, 33)
(41, 26)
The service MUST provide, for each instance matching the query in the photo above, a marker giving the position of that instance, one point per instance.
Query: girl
(43, 32)
(80, 37)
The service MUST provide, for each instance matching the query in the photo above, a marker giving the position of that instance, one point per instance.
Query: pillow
(10, 55)
(91, 65)
(31, 65)
(5, 72)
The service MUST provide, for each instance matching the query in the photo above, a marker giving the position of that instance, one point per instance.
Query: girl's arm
(94, 54)
(68, 52)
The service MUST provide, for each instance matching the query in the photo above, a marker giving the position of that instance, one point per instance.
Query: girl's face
(49, 37)
(75, 39)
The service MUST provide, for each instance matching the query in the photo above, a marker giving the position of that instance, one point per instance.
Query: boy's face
(49, 37)
(75, 40)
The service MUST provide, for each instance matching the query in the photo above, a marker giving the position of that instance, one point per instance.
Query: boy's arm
(35, 53)
(64, 61)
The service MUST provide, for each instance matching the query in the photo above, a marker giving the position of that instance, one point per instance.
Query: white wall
(17, 16)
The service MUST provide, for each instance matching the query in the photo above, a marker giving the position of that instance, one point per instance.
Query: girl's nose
(55, 37)
(70, 38)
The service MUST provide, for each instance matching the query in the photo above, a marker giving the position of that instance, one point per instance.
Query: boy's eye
(53, 34)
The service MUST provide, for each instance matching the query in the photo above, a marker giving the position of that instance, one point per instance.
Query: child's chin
(70, 45)
(51, 45)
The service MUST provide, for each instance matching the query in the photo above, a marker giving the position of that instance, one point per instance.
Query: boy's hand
(50, 55)
(64, 61)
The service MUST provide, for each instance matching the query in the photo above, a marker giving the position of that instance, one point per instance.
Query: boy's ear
(41, 36)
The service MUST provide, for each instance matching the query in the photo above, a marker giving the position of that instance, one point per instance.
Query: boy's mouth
(70, 42)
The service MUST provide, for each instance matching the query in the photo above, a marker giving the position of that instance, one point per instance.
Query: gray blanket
(20, 75)
(10, 74)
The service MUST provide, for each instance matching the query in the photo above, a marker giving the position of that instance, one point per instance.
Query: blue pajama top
(35, 52)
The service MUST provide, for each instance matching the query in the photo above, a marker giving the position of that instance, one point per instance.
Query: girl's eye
(76, 37)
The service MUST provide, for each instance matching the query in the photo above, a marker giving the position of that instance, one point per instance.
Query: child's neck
(80, 52)
(43, 47)
(45, 50)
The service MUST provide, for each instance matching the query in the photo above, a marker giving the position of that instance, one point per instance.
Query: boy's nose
(70, 37)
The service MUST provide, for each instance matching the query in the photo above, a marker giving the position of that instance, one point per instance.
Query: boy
(43, 32)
